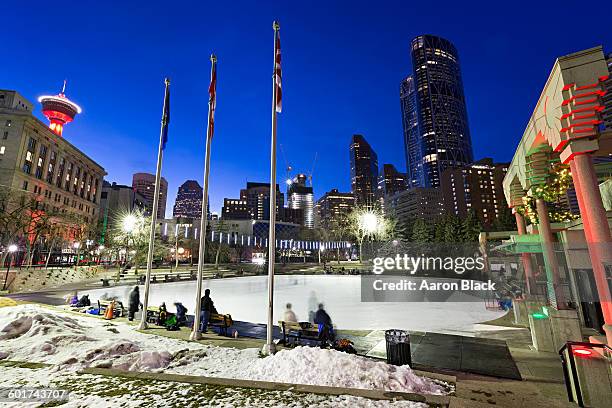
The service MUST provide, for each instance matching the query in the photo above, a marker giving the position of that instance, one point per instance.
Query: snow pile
(38, 334)
(69, 341)
(308, 365)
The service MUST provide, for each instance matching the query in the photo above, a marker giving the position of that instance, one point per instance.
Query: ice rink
(245, 298)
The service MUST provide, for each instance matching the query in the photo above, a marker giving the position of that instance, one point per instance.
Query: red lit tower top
(59, 110)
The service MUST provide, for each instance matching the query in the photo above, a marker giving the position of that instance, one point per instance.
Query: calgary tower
(59, 110)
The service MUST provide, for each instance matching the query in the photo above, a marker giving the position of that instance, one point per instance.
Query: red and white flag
(278, 74)
(212, 94)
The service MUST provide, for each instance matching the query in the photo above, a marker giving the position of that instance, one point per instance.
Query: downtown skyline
(121, 89)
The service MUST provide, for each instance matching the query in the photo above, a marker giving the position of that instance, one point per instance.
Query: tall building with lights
(37, 162)
(416, 202)
(434, 114)
(257, 198)
(332, 207)
(477, 187)
(144, 183)
(300, 197)
(364, 171)
(59, 110)
(188, 202)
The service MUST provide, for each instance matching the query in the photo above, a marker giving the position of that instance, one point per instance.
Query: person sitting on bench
(181, 314)
(163, 314)
(290, 315)
(326, 329)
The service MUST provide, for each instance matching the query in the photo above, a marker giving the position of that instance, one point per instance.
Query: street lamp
(129, 223)
(369, 222)
(12, 249)
(76, 246)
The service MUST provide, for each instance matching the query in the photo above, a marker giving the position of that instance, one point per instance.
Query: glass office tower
(434, 115)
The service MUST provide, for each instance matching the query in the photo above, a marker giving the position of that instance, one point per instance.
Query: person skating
(290, 315)
(134, 303)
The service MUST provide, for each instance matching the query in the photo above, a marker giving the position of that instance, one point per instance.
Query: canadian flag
(278, 74)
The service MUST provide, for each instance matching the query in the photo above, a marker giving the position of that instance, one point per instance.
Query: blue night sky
(342, 64)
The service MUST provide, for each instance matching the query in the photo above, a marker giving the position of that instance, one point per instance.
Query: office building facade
(364, 171)
(144, 184)
(300, 197)
(434, 114)
(36, 161)
(188, 202)
(332, 207)
(417, 202)
(477, 187)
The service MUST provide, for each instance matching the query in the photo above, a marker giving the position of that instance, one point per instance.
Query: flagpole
(270, 347)
(160, 152)
(195, 333)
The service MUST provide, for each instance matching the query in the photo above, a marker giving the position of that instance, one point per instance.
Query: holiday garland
(549, 192)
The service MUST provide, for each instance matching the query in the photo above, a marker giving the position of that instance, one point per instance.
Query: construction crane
(288, 167)
(314, 162)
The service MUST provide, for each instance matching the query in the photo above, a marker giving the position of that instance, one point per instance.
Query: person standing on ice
(208, 307)
(134, 303)
(326, 329)
(290, 315)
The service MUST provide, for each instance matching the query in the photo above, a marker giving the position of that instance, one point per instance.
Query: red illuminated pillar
(596, 231)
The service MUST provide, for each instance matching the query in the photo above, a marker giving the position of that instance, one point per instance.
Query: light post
(128, 225)
(76, 246)
(12, 249)
(368, 223)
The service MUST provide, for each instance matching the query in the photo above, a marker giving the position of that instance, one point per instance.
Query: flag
(278, 74)
(166, 115)
(212, 94)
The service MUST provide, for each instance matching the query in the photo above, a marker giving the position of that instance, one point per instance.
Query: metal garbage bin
(398, 347)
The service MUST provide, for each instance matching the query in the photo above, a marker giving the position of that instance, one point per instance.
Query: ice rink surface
(245, 298)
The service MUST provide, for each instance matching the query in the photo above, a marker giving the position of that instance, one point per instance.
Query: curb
(435, 400)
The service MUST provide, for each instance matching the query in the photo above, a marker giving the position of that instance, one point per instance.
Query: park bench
(222, 321)
(298, 331)
(153, 314)
(119, 310)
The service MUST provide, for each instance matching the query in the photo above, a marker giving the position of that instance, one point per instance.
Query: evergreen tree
(439, 227)
(452, 230)
(471, 227)
(421, 232)
(505, 221)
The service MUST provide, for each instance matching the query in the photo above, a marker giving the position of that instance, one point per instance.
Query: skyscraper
(332, 207)
(364, 171)
(300, 197)
(434, 114)
(477, 187)
(188, 202)
(144, 183)
(257, 198)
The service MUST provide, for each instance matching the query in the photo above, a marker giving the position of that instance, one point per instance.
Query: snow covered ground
(245, 299)
(35, 333)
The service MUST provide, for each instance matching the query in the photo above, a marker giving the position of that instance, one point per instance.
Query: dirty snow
(34, 333)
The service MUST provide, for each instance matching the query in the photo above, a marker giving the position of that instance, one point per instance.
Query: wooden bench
(118, 311)
(222, 321)
(298, 332)
(153, 314)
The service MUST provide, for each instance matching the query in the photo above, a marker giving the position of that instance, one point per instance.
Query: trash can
(586, 368)
(398, 347)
